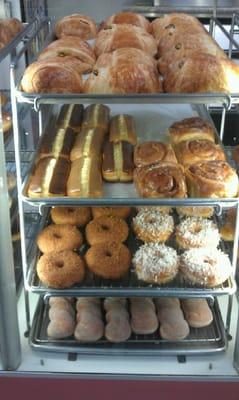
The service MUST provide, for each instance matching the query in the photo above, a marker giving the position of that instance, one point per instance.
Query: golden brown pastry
(197, 312)
(115, 36)
(78, 25)
(127, 17)
(9, 28)
(71, 46)
(122, 128)
(211, 179)
(52, 76)
(3, 99)
(201, 73)
(70, 115)
(6, 121)
(227, 230)
(49, 178)
(85, 178)
(118, 165)
(96, 116)
(148, 153)
(161, 180)
(88, 143)
(126, 70)
(195, 211)
(191, 129)
(57, 143)
(193, 151)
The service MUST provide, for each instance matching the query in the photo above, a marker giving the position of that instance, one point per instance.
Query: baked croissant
(76, 25)
(115, 36)
(71, 46)
(127, 18)
(124, 71)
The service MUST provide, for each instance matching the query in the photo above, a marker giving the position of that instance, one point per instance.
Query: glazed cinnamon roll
(148, 153)
(191, 129)
(193, 151)
(161, 180)
(211, 179)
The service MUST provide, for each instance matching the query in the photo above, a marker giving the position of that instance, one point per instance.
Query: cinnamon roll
(193, 128)
(211, 179)
(148, 153)
(161, 180)
(193, 151)
(122, 128)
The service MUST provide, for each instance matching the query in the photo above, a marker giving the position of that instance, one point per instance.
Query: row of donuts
(108, 257)
(90, 319)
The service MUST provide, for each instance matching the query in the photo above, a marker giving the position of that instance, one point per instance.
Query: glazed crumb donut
(109, 260)
(79, 216)
(156, 263)
(195, 211)
(205, 267)
(161, 209)
(193, 232)
(106, 229)
(152, 226)
(60, 269)
(121, 212)
(58, 238)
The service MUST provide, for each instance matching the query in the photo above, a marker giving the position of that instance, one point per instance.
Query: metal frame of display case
(38, 101)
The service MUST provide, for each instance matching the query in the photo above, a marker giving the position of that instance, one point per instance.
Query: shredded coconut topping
(154, 222)
(198, 232)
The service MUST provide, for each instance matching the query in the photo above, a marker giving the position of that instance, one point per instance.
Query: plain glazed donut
(106, 229)
(79, 216)
(58, 238)
(205, 267)
(152, 226)
(60, 269)
(121, 212)
(156, 263)
(109, 260)
(193, 232)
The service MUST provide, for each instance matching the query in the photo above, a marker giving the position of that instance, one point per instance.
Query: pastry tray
(152, 122)
(130, 285)
(201, 341)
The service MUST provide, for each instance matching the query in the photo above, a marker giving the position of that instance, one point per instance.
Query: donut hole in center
(104, 227)
(108, 253)
(56, 236)
(59, 264)
(70, 210)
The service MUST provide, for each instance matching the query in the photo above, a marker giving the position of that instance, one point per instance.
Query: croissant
(115, 36)
(71, 46)
(193, 151)
(52, 76)
(127, 18)
(161, 180)
(211, 179)
(76, 25)
(124, 71)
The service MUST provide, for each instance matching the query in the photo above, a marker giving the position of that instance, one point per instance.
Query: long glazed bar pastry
(85, 178)
(197, 312)
(57, 142)
(70, 115)
(193, 151)
(122, 128)
(96, 116)
(118, 165)
(88, 143)
(49, 178)
(161, 180)
(148, 153)
(193, 128)
(211, 179)
(90, 326)
(117, 328)
(143, 316)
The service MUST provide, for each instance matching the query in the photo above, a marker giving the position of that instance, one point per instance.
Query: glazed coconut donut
(106, 229)
(79, 216)
(194, 232)
(58, 238)
(156, 263)
(161, 209)
(121, 212)
(60, 269)
(205, 267)
(152, 226)
(195, 211)
(110, 260)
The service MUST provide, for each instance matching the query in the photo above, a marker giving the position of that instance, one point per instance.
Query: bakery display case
(205, 351)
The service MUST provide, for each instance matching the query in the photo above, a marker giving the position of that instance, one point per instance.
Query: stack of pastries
(9, 28)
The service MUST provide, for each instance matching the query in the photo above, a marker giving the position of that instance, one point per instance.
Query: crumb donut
(152, 226)
(60, 269)
(195, 211)
(156, 263)
(79, 216)
(121, 212)
(194, 232)
(58, 238)
(106, 229)
(109, 260)
(205, 267)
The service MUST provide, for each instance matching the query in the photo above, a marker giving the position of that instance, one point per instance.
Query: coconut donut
(109, 260)
(194, 232)
(58, 238)
(79, 216)
(152, 226)
(156, 263)
(106, 229)
(121, 212)
(60, 269)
